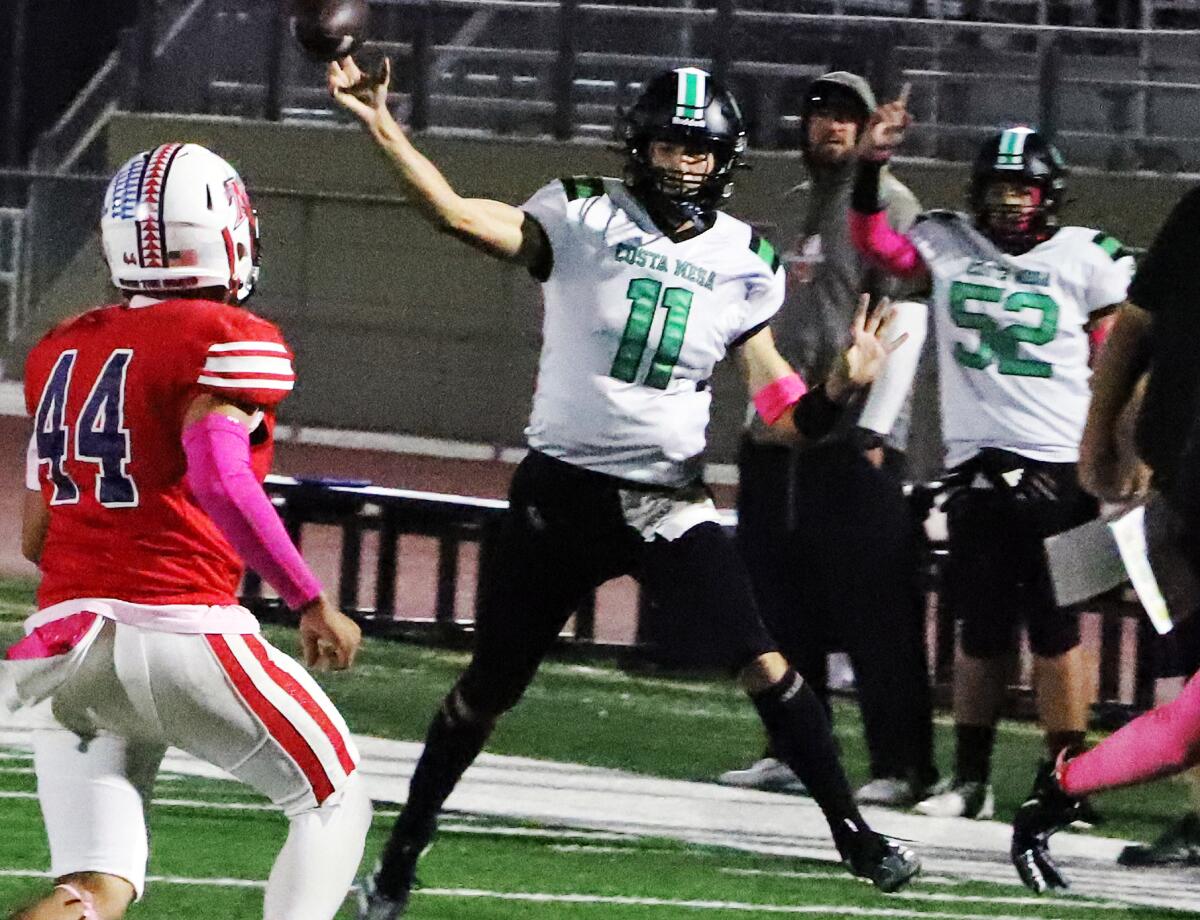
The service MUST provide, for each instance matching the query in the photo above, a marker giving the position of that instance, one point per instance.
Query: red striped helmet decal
(152, 231)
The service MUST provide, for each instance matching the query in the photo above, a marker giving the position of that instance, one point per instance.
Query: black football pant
(563, 536)
(565, 532)
(832, 552)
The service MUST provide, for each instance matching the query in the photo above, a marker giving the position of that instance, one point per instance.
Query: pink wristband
(778, 396)
(219, 474)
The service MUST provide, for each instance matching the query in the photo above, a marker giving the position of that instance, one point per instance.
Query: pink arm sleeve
(1157, 743)
(875, 238)
(219, 474)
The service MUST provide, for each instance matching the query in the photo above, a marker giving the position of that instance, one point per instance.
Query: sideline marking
(825, 910)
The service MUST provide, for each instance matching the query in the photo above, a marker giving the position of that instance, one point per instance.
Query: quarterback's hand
(860, 364)
(1047, 810)
(885, 129)
(328, 637)
(364, 94)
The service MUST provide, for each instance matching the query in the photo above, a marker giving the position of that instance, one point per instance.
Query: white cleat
(954, 799)
(888, 791)
(768, 774)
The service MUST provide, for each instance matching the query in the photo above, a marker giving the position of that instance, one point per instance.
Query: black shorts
(564, 534)
(1177, 654)
(995, 577)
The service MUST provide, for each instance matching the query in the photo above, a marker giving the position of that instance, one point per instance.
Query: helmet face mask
(1017, 186)
(681, 168)
(683, 108)
(177, 220)
(1011, 210)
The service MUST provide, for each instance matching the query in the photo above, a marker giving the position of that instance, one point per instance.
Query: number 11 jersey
(634, 324)
(1012, 347)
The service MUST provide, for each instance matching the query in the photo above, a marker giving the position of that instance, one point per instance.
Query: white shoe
(889, 791)
(769, 774)
(953, 799)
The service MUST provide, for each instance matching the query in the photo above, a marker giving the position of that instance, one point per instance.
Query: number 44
(100, 433)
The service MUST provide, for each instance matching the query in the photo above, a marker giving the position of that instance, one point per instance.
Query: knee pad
(483, 698)
(1053, 632)
(460, 707)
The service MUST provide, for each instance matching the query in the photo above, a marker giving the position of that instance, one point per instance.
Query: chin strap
(668, 213)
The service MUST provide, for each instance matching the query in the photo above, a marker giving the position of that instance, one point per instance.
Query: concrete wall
(398, 328)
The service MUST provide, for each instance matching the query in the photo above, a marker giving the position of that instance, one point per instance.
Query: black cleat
(388, 900)
(1178, 845)
(1047, 811)
(374, 906)
(888, 866)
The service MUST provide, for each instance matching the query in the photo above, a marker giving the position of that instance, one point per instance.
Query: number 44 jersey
(1012, 345)
(107, 392)
(634, 324)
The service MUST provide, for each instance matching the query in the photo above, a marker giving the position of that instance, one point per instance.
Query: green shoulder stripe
(583, 187)
(761, 247)
(1111, 245)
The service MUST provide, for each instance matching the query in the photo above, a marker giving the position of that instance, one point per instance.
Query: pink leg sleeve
(219, 474)
(1160, 742)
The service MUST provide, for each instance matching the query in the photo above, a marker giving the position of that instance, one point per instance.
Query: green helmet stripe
(1010, 154)
(691, 88)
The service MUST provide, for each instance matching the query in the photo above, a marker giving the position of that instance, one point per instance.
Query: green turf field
(690, 729)
(208, 861)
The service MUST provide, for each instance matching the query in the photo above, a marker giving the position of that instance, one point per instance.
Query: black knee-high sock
(800, 736)
(451, 745)
(973, 752)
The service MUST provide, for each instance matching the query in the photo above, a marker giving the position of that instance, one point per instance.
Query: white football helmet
(177, 218)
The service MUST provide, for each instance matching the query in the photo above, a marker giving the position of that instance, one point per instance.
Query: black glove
(1047, 811)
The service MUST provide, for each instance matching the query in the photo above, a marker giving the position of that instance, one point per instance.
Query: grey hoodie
(825, 273)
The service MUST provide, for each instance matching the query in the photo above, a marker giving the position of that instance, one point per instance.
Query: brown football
(329, 29)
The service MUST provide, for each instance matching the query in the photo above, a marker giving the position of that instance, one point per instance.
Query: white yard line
(592, 800)
(820, 910)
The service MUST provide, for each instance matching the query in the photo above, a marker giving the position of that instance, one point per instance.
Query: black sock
(1057, 742)
(973, 752)
(800, 736)
(451, 745)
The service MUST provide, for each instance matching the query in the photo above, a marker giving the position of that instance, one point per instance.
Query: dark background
(65, 43)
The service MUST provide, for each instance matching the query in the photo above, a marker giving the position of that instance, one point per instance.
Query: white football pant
(232, 700)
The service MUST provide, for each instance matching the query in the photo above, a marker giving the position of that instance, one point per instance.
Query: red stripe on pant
(277, 724)
(297, 692)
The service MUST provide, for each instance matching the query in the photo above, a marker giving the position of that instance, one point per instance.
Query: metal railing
(12, 249)
(1115, 98)
(453, 521)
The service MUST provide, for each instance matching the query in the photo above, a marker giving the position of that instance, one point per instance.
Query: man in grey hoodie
(812, 521)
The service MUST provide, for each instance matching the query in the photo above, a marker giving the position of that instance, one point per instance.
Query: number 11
(643, 292)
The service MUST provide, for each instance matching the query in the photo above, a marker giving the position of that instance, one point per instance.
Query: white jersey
(1012, 348)
(634, 325)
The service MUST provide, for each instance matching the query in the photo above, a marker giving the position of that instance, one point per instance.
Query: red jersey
(107, 393)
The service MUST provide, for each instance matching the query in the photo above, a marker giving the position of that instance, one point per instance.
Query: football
(329, 29)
